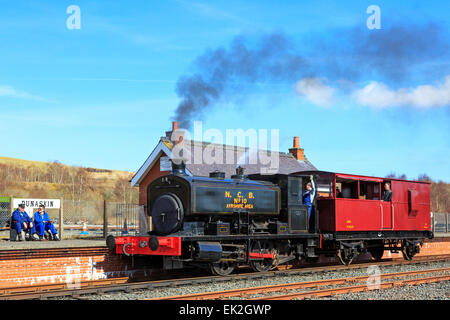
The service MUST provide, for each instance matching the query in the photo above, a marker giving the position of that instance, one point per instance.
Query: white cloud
(376, 94)
(315, 91)
(379, 95)
(8, 91)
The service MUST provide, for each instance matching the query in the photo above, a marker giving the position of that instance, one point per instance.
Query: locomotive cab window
(295, 189)
(324, 187)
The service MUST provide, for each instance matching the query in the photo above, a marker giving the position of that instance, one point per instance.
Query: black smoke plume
(350, 55)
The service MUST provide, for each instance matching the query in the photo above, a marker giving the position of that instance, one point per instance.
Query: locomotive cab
(293, 210)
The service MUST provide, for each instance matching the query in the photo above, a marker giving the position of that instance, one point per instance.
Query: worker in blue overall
(43, 223)
(308, 197)
(21, 221)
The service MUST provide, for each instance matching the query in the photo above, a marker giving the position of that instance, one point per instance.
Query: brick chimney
(174, 127)
(180, 134)
(296, 151)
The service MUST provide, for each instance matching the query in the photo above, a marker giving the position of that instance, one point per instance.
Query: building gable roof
(163, 147)
(239, 156)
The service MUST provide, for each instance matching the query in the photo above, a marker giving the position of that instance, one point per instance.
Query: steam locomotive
(260, 220)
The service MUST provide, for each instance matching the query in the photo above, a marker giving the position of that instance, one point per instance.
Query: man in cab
(387, 193)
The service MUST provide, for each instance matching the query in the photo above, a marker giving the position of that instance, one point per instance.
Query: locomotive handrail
(381, 207)
(392, 215)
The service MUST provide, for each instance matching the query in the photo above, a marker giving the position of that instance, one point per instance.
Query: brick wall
(436, 246)
(152, 175)
(35, 271)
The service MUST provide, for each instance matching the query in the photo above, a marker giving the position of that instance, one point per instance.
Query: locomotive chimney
(296, 151)
(179, 168)
(239, 174)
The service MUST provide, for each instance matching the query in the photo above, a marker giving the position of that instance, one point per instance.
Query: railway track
(360, 288)
(103, 286)
(264, 290)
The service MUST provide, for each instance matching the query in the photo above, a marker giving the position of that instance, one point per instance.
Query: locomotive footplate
(250, 237)
(171, 245)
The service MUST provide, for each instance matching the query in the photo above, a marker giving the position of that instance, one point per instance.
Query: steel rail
(244, 292)
(10, 291)
(352, 289)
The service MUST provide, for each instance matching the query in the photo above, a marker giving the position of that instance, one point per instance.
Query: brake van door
(386, 215)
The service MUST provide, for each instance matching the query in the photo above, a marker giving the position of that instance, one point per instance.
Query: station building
(158, 162)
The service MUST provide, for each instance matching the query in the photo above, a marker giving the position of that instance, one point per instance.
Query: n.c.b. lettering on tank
(209, 199)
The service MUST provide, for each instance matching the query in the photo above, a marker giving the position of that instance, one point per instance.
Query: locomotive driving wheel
(222, 268)
(262, 246)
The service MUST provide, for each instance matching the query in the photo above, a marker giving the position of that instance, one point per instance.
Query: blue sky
(101, 96)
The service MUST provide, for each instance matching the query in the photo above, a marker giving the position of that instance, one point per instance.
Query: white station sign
(35, 203)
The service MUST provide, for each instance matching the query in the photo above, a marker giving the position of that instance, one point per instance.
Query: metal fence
(126, 219)
(84, 219)
(99, 218)
(441, 222)
(5, 214)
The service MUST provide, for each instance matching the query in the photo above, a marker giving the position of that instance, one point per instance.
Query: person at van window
(43, 223)
(21, 221)
(338, 193)
(387, 193)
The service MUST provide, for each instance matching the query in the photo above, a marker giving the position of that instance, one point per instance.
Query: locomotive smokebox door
(167, 214)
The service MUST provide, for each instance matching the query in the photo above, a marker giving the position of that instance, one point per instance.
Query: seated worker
(21, 221)
(387, 193)
(43, 223)
(308, 196)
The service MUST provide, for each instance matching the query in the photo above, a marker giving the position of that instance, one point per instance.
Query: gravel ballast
(429, 291)
(424, 291)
